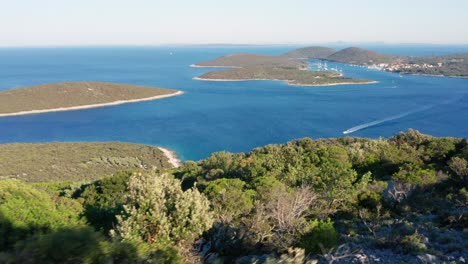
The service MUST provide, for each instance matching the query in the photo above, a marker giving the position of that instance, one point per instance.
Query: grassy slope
(310, 53)
(360, 56)
(57, 95)
(292, 76)
(75, 161)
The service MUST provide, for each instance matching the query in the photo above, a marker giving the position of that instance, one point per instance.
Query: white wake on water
(380, 121)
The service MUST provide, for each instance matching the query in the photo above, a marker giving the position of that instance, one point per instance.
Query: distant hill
(315, 52)
(76, 161)
(360, 56)
(75, 95)
(240, 60)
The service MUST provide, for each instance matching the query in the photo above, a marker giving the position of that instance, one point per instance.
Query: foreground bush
(26, 211)
(322, 236)
(160, 213)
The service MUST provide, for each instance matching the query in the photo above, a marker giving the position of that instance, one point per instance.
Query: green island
(68, 96)
(291, 76)
(249, 67)
(341, 200)
(240, 60)
(453, 65)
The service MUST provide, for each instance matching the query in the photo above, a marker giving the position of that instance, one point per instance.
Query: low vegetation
(331, 200)
(360, 57)
(75, 161)
(241, 60)
(310, 53)
(290, 75)
(71, 94)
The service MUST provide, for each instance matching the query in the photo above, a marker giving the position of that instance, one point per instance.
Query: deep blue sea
(231, 116)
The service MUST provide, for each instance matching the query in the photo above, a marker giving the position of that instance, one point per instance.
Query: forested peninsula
(453, 65)
(346, 200)
(69, 96)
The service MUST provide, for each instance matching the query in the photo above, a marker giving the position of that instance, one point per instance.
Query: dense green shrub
(26, 211)
(412, 244)
(413, 174)
(81, 245)
(229, 198)
(385, 191)
(160, 213)
(104, 199)
(322, 235)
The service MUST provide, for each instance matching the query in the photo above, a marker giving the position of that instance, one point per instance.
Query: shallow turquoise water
(232, 116)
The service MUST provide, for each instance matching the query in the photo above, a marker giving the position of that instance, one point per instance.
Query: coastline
(286, 81)
(80, 107)
(201, 66)
(432, 75)
(232, 80)
(334, 84)
(171, 157)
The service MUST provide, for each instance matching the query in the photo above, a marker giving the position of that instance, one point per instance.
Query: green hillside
(401, 199)
(315, 52)
(360, 56)
(288, 75)
(75, 161)
(248, 60)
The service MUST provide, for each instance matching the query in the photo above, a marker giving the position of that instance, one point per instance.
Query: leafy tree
(413, 174)
(230, 198)
(104, 199)
(221, 164)
(264, 185)
(439, 149)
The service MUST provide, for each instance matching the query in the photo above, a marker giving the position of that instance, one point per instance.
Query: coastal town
(402, 67)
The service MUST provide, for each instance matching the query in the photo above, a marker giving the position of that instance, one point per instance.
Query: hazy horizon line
(382, 43)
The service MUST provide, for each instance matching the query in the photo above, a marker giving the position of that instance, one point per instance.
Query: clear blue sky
(154, 22)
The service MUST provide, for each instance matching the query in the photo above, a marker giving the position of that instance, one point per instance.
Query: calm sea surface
(232, 116)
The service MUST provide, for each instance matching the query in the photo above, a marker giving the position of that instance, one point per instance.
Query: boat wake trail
(380, 121)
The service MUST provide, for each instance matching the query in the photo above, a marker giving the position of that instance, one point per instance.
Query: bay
(230, 116)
